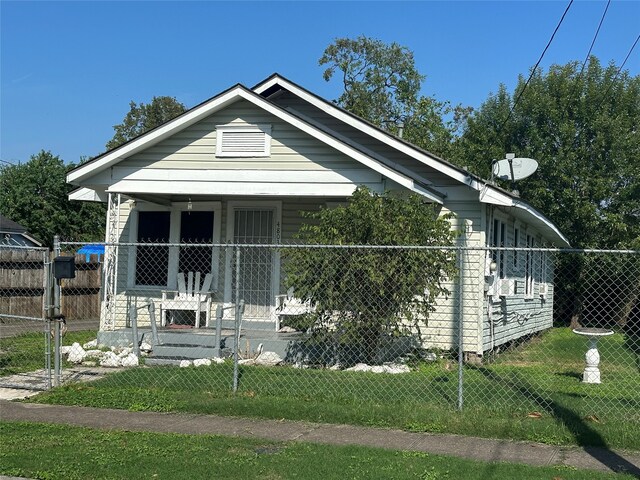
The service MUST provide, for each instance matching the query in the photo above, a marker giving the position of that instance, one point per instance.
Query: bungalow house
(241, 166)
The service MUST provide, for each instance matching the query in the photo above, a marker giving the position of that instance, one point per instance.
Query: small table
(591, 371)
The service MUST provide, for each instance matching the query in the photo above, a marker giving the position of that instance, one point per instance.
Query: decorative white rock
(269, 359)
(201, 362)
(76, 353)
(591, 372)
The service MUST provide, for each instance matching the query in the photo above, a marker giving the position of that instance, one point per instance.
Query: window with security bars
(195, 228)
(243, 140)
(152, 261)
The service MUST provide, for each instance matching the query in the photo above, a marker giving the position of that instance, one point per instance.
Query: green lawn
(52, 452)
(26, 352)
(533, 393)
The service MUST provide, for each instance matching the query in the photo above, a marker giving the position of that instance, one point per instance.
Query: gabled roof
(218, 102)
(387, 167)
(488, 193)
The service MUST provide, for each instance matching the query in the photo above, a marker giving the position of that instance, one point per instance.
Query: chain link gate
(25, 331)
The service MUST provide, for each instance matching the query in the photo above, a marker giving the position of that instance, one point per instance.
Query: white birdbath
(591, 371)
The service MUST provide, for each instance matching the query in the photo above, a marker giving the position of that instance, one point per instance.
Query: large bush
(361, 294)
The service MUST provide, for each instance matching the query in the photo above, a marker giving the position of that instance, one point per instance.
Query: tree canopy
(381, 84)
(143, 117)
(34, 194)
(582, 128)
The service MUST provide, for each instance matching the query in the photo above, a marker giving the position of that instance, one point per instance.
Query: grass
(26, 352)
(533, 393)
(52, 452)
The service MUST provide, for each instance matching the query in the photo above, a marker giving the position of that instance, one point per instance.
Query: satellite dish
(514, 168)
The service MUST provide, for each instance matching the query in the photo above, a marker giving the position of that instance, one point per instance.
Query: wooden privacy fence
(22, 285)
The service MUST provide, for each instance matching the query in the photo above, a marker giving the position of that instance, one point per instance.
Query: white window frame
(529, 275)
(246, 128)
(175, 210)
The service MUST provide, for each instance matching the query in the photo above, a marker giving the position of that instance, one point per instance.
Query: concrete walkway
(487, 450)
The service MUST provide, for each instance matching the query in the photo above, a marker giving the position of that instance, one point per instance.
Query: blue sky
(70, 69)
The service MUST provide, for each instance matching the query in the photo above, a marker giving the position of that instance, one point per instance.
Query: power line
(586, 59)
(8, 163)
(613, 79)
(535, 67)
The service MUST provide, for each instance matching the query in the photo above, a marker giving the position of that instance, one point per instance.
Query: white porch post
(111, 263)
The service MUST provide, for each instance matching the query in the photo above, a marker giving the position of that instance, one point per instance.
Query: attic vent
(243, 140)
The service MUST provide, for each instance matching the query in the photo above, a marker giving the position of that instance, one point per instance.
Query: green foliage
(34, 194)
(363, 293)
(583, 131)
(143, 117)
(382, 85)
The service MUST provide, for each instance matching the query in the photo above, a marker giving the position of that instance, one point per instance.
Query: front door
(254, 278)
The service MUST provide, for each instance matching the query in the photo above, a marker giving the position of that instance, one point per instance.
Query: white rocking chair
(289, 305)
(189, 297)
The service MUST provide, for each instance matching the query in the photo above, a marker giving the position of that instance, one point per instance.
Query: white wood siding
(186, 163)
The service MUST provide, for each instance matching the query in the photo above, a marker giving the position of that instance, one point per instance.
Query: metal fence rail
(521, 329)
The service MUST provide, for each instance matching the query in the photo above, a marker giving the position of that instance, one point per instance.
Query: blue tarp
(92, 249)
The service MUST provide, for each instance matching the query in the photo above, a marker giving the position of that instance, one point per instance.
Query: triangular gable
(219, 102)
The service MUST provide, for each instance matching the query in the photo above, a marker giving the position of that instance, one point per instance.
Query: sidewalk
(483, 449)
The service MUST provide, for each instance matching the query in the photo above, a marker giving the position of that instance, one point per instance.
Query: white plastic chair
(190, 296)
(288, 304)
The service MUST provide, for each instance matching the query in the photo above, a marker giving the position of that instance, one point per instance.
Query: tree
(382, 85)
(35, 194)
(583, 131)
(144, 117)
(365, 293)
(582, 128)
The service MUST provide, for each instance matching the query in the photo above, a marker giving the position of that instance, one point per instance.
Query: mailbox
(64, 267)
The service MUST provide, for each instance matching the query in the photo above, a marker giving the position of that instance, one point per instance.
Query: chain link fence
(25, 346)
(506, 329)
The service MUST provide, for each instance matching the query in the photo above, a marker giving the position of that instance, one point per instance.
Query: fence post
(133, 318)
(48, 311)
(56, 315)
(219, 313)
(460, 328)
(236, 333)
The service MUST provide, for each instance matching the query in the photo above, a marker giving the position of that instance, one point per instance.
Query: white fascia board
(366, 128)
(180, 187)
(86, 194)
(153, 137)
(543, 222)
(493, 196)
(333, 142)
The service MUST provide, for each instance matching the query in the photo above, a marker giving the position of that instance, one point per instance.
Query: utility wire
(604, 97)
(534, 68)
(586, 59)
